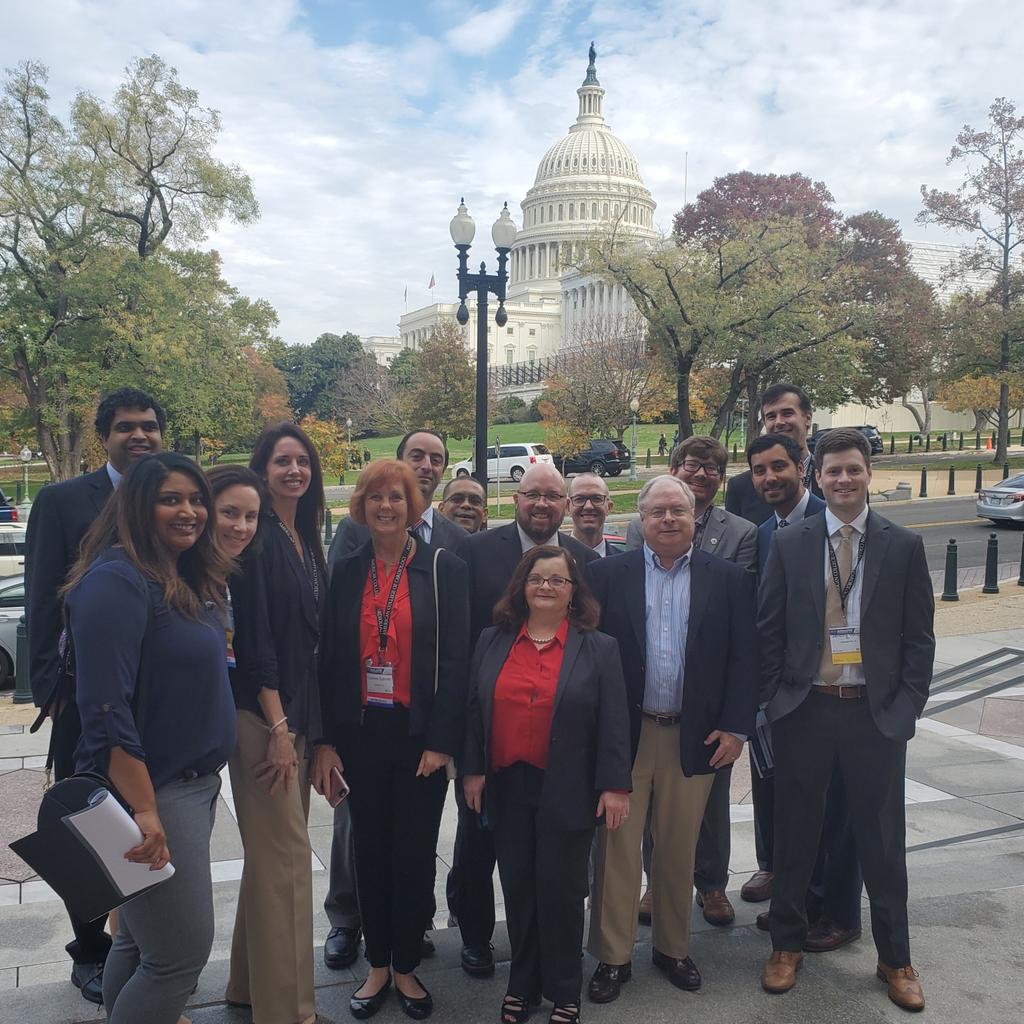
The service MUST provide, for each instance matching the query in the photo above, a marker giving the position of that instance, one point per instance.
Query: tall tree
(373, 396)
(444, 395)
(314, 371)
(989, 204)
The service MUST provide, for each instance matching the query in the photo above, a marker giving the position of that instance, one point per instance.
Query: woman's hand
(325, 759)
(153, 848)
(473, 789)
(281, 761)
(430, 762)
(614, 807)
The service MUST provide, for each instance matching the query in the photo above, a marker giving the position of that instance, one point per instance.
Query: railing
(516, 374)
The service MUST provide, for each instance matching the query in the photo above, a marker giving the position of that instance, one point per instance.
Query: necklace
(540, 639)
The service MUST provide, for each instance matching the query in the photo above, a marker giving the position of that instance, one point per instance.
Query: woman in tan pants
(277, 600)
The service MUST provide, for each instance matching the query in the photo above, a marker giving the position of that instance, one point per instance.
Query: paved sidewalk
(965, 796)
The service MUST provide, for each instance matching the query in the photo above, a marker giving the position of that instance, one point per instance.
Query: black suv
(871, 433)
(604, 457)
(8, 512)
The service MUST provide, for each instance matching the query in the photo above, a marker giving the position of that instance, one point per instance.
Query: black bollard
(960, 443)
(734, 455)
(977, 441)
(648, 461)
(1020, 578)
(924, 483)
(22, 686)
(991, 566)
(949, 585)
(945, 442)
(1006, 470)
(892, 444)
(977, 479)
(328, 527)
(910, 443)
(993, 439)
(952, 481)
(928, 442)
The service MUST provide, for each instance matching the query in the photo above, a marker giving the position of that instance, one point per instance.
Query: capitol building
(586, 181)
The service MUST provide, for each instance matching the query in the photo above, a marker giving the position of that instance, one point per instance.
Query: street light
(634, 408)
(503, 234)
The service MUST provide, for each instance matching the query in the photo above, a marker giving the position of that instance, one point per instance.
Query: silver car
(1003, 503)
(12, 604)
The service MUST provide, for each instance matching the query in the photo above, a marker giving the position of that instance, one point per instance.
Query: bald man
(589, 505)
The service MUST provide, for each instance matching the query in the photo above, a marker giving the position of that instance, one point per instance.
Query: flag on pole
(431, 285)
(406, 296)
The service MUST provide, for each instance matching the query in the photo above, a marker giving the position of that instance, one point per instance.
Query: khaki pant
(272, 947)
(678, 807)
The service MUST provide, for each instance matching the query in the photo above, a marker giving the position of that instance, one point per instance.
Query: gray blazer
(728, 536)
(589, 748)
(896, 622)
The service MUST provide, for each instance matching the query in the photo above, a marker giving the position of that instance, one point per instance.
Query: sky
(363, 122)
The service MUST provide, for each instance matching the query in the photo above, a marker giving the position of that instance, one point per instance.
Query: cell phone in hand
(339, 788)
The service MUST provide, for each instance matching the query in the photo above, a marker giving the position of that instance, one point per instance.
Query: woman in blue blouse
(157, 716)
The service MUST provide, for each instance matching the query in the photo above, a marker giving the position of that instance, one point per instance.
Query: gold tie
(834, 617)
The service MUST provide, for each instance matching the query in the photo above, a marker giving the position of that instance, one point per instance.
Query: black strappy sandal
(565, 1013)
(514, 1009)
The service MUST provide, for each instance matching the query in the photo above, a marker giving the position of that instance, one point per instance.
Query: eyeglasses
(695, 466)
(597, 500)
(676, 511)
(469, 499)
(557, 582)
(553, 497)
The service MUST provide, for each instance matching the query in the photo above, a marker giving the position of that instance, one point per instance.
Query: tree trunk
(684, 364)
(197, 447)
(913, 412)
(753, 407)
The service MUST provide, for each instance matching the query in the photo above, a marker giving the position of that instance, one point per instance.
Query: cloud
(484, 31)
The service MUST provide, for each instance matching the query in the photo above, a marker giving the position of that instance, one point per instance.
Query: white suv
(12, 548)
(515, 460)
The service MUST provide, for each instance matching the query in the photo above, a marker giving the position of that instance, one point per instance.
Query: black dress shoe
(478, 961)
(89, 978)
(682, 973)
(607, 981)
(764, 922)
(341, 948)
(428, 949)
(362, 1007)
(418, 1009)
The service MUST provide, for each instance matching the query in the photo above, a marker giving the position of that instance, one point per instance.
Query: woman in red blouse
(547, 755)
(393, 673)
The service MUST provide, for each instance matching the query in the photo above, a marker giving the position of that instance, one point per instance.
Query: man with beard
(464, 502)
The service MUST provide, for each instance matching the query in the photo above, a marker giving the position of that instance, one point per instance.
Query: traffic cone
(988, 443)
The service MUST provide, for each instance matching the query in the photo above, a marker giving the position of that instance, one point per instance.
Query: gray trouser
(164, 936)
(711, 866)
(342, 904)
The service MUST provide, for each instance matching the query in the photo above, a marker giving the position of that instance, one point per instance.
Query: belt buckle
(855, 687)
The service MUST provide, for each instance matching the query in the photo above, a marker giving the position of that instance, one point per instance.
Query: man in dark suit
(492, 557)
(425, 452)
(700, 463)
(684, 621)
(130, 424)
(845, 619)
(785, 409)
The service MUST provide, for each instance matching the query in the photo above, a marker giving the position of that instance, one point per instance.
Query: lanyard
(384, 618)
(314, 575)
(844, 591)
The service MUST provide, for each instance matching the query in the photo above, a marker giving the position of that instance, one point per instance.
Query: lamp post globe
(503, 230)
(462, 226)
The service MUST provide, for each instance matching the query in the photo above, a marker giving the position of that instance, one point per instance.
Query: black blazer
(492, 557)
(350, 536)
(768, 529)
(720, 674)
(589, 748)
(440, 717)
(61, 516)
(896, 622)
(278, 625)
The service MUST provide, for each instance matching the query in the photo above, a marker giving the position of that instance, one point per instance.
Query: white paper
(110, 832)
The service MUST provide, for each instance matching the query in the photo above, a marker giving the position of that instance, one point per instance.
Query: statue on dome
(592, 55)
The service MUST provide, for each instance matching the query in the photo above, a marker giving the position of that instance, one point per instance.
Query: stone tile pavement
(965, 833)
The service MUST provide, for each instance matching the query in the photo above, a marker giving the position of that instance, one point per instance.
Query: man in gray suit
(700, 463)
(426, 453)
(845, 617)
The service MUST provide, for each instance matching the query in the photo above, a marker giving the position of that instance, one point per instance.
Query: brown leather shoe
(904, 988)
(717, 908)
(607, 981)
(764, 921)
(779, 974)
(825, 935)
(758, 887)
(646, 905)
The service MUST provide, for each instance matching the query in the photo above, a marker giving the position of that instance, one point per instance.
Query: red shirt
(399, 650)
(524, 701)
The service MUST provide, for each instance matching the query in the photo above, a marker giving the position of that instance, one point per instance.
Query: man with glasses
(684, 620)
(492, 557)
(589, 505)
(464, 502)
(700, 463)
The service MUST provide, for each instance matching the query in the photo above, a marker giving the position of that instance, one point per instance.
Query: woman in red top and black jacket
(393, 674)
(547, 740)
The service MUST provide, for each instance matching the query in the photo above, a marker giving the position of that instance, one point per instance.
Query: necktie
(420, 528)
(834, 617)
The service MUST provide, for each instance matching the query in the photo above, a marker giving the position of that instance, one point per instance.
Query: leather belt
(844, 691)
(662, 719)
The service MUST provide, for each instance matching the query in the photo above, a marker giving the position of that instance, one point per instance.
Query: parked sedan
(1003, 503)
(12, 548)
(12, 604)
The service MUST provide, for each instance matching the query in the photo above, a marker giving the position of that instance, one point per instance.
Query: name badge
(229, 635)
(380, 686)
(845, 643)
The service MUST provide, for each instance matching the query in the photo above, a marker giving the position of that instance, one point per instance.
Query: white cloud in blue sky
(363, 121)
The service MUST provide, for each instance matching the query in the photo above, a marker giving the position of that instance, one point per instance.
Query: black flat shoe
(362, 1007)
(341, 947)
(88, 978)
(418, 1009)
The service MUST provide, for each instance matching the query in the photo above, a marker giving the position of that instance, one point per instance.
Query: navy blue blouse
(183, 717)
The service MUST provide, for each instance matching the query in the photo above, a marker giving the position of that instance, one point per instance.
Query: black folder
(63, 859)
(762, 755)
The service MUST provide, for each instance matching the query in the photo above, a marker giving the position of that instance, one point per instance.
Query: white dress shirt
(528, 542)
(798, 511)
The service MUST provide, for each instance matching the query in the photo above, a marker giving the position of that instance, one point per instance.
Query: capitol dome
(585, 182)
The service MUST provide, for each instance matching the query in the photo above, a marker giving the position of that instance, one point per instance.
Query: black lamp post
(503, 233)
